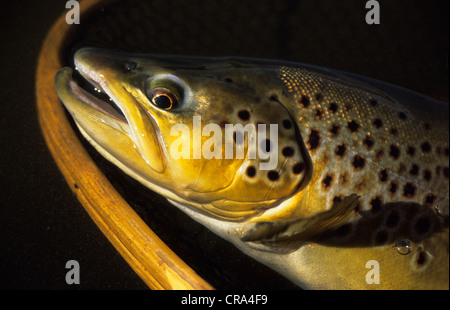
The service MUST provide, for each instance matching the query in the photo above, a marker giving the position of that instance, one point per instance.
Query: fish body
(344, 180)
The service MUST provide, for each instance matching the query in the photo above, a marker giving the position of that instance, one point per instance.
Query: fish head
(210, 134)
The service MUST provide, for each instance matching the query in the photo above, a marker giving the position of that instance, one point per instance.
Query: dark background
(42, 225)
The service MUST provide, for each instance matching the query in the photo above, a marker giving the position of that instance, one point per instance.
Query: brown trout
(334, 180)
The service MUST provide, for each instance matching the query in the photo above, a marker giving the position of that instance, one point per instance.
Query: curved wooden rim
(151, 259)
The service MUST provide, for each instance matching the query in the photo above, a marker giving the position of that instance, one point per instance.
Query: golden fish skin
(359, 195)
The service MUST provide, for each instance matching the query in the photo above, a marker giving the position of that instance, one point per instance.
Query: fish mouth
(94, 94)
(101, 119)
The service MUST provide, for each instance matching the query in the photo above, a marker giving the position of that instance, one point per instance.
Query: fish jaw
(98, 122)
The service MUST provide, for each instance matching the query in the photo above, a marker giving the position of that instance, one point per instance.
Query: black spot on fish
(393, 187)
(251, 171)
(274, 98)
(414, 170)
(287, 124)
(393, 219)
(314, 139)
(446, 151)
(426, 147)
(244, 115)
(326, 182)
(394, 152)
(445, 172)
(266, 145)
(318, 113)
(375, 204)
(304, 101)
(427, 175)
(298, 168)
(373, 102)
(411, 151)
(228, 80)
(288, 151)
(377, 123)
(337, 198)
(429, 199)
(341, 149)
(421, 258)
(238, 137)
(409, 190)
(427, 126)
(394, 131)
(353, 126)
(333, 107)
(319, 97)
(383, 175)
(273, 175)
(358, 162)
(334, 130)
(402, 115)
(368, 141)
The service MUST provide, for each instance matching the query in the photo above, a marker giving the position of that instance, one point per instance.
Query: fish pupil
(163, 101)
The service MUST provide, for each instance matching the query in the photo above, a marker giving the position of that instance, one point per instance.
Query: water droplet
(404, 246)
(440, 210)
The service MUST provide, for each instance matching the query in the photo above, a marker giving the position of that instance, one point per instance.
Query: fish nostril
(298, 168)
(287, 124)
(273, 175)
(244, 115)
(251, 171)
(130, 66)
(288, 151)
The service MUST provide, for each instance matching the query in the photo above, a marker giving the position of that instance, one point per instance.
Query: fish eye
(166, 92)
(163, 98)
